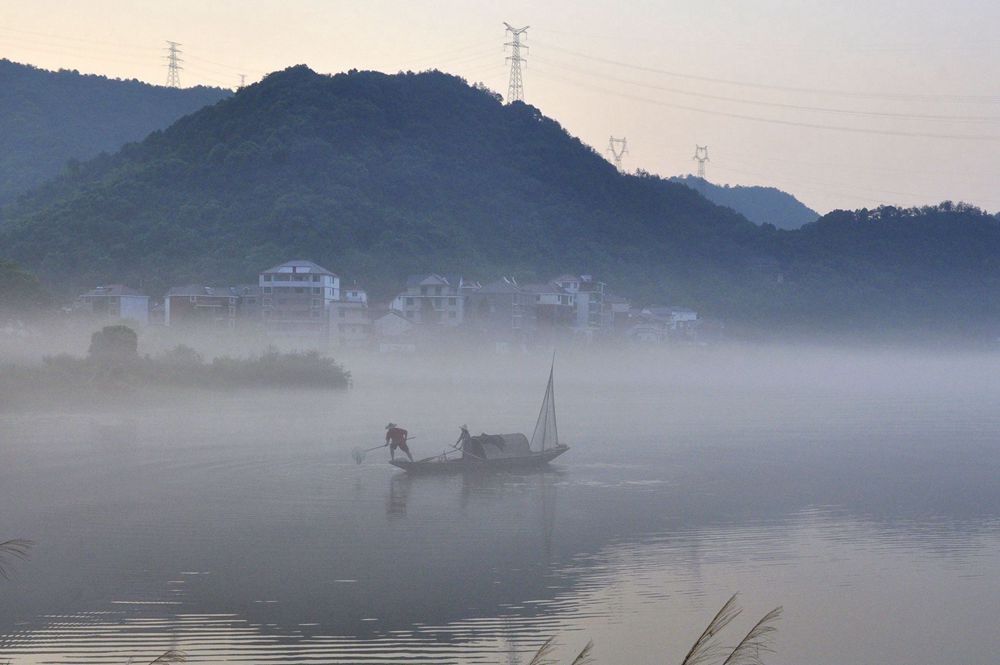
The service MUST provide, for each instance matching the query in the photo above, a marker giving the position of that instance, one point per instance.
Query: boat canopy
(498, 446)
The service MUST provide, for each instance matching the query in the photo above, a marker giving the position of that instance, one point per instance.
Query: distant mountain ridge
(761, 205)
(49, 118)
(378, 176)
(369, 174)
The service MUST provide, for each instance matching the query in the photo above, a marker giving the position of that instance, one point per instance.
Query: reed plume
(541, 656)
(706, 647)
(758, 640)
(172, 656)
(585, 658)
(13, 549)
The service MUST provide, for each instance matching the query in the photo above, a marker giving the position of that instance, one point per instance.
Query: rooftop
(300, 266)
(549, 287)
(112, 290)
(201, 290)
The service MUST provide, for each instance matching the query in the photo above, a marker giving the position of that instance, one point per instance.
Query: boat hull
(474, 465)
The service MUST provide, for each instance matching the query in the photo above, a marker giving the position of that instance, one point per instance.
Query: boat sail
(546, 434)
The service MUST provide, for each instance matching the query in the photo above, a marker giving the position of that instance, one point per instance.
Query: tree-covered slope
(377, 176)
(49, 118)
(761, 205)
(373, 176)
(20, 291)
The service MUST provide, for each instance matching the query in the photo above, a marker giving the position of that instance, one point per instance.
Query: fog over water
(855, 487)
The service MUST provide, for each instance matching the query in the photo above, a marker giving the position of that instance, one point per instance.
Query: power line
(969, 99)
(515, 88)
(173, 65)
(118, 46)
(778, 121)
(781, 105)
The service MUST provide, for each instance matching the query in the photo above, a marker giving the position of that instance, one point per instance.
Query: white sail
(546, 434)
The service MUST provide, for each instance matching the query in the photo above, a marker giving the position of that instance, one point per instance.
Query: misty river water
(859, 490)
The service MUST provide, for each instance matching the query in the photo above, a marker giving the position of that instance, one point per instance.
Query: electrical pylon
(618, 149)
(173, 65)
(515, 90)
(701, 156)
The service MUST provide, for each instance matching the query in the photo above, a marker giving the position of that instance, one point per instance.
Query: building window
(342, 313)
(437, 290)
(267, 278)
(452, 301)
(317, 290)
(409, 301)
(299, 289)
(452, 315)
(317, 302)
(284, 277)
(315, 278)
(267, 289)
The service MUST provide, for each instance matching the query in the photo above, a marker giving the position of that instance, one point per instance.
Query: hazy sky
(761, 82)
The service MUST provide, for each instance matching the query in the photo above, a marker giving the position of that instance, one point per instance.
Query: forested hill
(377, 176)
(761, 205)
(373, 175)
(48, 118)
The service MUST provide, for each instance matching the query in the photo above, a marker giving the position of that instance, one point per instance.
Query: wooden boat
(499, 452)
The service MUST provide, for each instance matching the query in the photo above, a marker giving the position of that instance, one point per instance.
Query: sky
(845, 105)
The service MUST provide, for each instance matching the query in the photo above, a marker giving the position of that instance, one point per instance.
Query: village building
(250, 304)
(198, 305)
(296, 298)
(656, 324)
(350, 320)
(593, 317)
(434, 299)
(393, 332)
(619, 310)
(114, 302)
(555, 307)
(502, 311)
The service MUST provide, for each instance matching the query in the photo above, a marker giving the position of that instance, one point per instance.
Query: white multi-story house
(592, 313)
(115, 302)
(296, 298)
(350, 319)
(434, 299)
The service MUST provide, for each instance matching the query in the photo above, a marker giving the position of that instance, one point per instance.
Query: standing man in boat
(464, 438)
(395, 437)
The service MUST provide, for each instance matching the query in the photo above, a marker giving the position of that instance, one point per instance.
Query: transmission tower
(618, 149)
(701, 156)
(515, 91)
(173, 65)
(243, 81)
